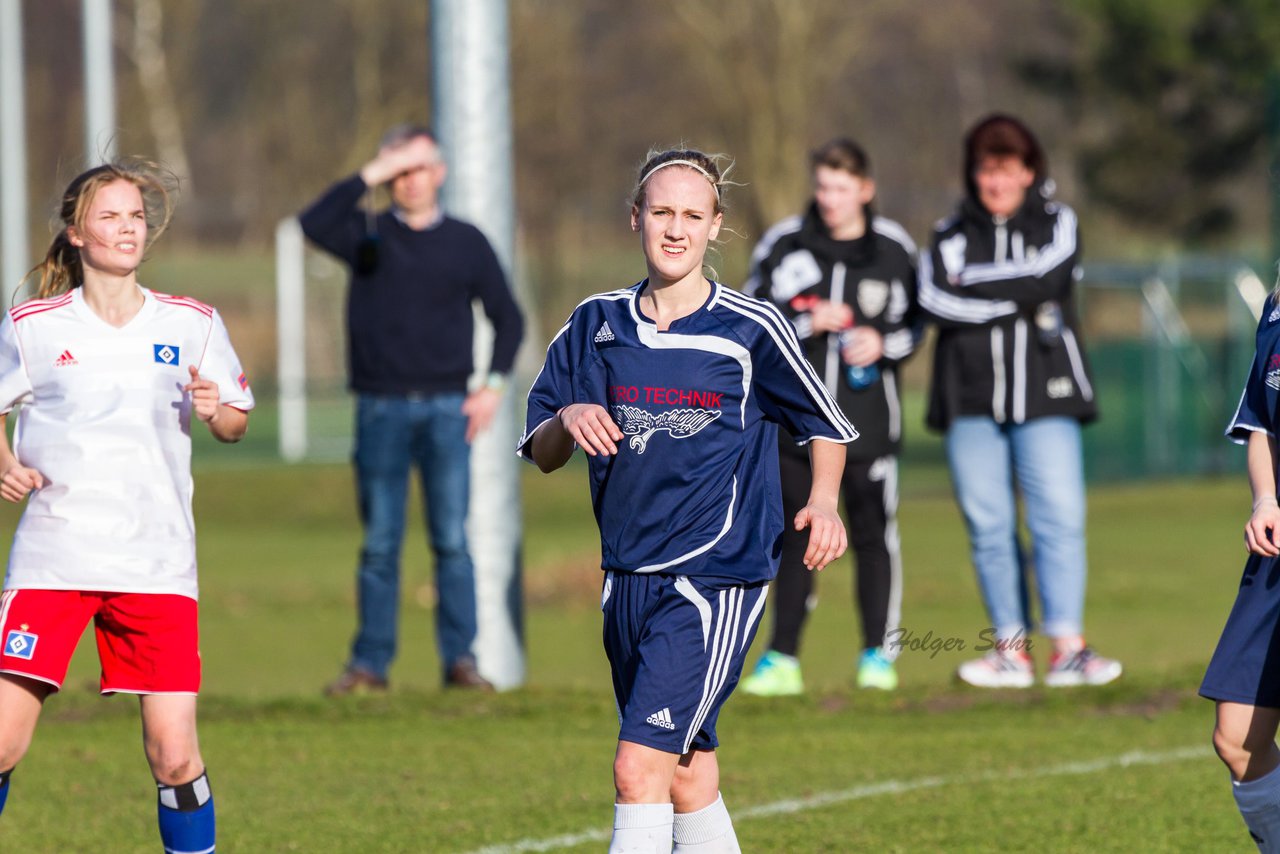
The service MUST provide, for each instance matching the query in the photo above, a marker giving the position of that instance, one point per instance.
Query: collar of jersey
(639, 316)
(82, 308)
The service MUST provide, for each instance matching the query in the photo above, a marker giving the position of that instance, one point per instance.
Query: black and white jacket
(1002, 294)
(797, 261)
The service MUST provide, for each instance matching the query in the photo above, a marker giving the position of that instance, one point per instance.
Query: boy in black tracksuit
(846, 278)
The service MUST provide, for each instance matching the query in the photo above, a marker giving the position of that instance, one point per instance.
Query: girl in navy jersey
(108, 375)
(1244, 674)
(675, 388)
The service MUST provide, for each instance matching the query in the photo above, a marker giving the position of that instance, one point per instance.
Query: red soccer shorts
(148, 643)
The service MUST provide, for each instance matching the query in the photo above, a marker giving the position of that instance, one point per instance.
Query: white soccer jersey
(103, 417)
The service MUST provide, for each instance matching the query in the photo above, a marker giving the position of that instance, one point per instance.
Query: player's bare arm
(584, 424)
(827, 537)
(226, 423)
(16, 480)
(1261, 531)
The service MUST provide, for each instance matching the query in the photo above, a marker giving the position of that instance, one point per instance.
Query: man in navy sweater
(414, 275)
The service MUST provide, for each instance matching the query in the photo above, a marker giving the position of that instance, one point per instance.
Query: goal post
(471, 111)
(291, 338)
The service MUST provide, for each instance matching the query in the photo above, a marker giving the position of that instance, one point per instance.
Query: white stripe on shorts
(719, 662)
(686, 589)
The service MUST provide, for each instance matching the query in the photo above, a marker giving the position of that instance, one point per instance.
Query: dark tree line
(1153, 111)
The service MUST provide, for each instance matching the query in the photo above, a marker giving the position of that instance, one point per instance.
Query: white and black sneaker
(998, 669)
(1081, 667)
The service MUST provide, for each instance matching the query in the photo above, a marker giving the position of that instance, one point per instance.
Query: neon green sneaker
(876, 671)
(776, 675)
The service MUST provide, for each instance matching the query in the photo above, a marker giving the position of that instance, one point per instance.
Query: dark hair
(61, 270)
(844, 154)
(1001, 135)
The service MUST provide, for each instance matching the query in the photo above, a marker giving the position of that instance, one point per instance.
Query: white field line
(888, 787)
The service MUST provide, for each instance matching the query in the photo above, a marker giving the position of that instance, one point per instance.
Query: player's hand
(865, 347)
(17, 481)
(827, 537)
(1260, 533)
(204, 396)
(828, 316)
(480, 407)
(591, 427)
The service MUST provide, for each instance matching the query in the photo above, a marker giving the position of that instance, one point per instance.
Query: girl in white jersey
(695, 379)
(106, 376)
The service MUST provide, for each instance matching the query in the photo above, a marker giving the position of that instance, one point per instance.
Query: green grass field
(932, 767)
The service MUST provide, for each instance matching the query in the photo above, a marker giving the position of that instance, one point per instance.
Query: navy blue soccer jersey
(694, 488)
(1257, 409)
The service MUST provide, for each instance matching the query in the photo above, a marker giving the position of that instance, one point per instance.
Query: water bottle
(1048, 319)
(858, 376)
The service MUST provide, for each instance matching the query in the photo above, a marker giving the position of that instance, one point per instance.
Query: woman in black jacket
(1011, 389)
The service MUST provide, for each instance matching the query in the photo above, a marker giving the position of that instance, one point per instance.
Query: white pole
(291, 354)
(14, 237)
(471, 100)
(99, 84)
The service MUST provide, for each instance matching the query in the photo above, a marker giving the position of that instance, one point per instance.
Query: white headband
(690, 164)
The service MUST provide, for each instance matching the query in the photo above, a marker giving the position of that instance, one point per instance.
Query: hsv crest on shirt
(166, 354)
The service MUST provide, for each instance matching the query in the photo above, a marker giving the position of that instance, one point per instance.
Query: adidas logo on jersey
(604, 333)
(65, 359)
(662, 719)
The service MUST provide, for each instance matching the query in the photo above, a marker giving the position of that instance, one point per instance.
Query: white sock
(1259, 804)
(707, 831)
(641, 829)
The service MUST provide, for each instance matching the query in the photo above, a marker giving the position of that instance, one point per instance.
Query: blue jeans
(1044, 458)
(393, 434)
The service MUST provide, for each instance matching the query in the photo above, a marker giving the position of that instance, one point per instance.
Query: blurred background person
(1010, 388)
(846, 279)
(414, 275)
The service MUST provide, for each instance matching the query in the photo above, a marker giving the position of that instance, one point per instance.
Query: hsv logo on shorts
(20, 644)
(165, 354)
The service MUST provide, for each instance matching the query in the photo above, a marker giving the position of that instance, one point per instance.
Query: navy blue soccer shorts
(1245, 667)
(676, 646)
